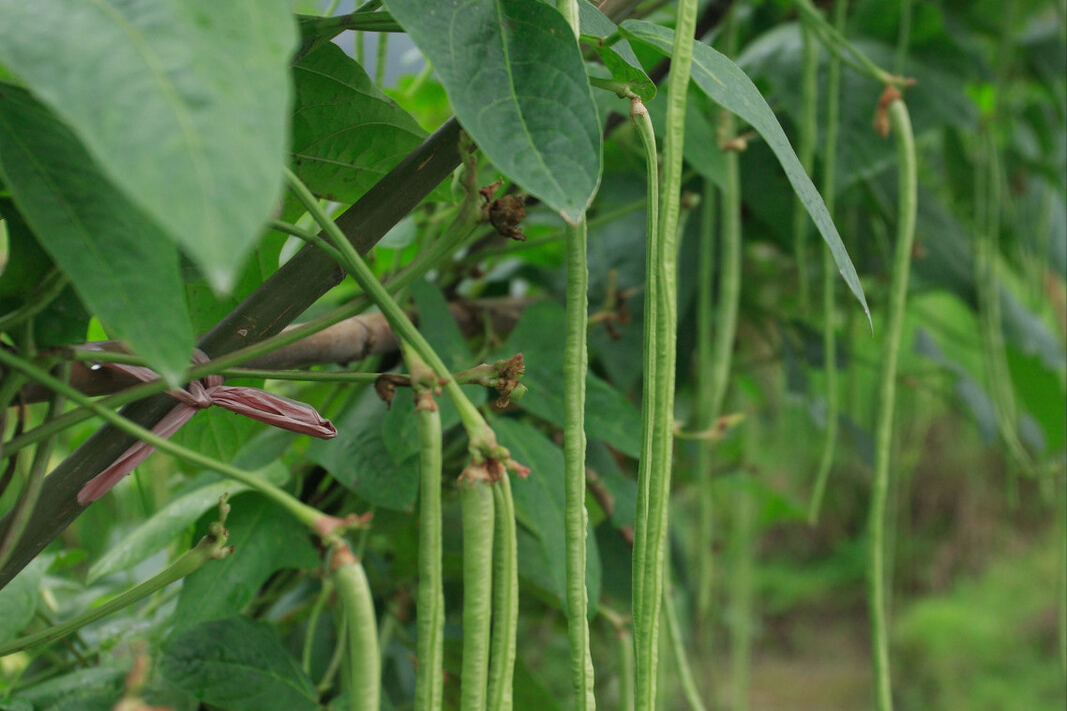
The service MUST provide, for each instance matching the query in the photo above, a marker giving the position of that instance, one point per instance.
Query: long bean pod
(654, 474)
(505, 598)
(364, 660)
(430, 603)
(476, 497)
(898, 290)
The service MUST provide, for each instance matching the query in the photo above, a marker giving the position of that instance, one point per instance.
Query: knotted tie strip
(197, 395)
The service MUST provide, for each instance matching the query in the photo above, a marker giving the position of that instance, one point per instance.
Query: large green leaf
(731, 88)
(122, 266)
(265, 539)
(516, 80)
(359, 458)
(346, 133)
(183, 105)
(237, 664)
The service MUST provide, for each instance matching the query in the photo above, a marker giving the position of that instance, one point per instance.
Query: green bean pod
(898, 290)
(431, 597)
(505, 598)
(364, 660)
(476, 499)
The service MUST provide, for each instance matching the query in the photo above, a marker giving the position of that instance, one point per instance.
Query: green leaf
(359, 459)
(18, 599)
(167, 524)
(1041, 392)
(731, 88)
(183, 105)
(608, 414)
(516, 80)
(438, 325)
(539, 504)
(238, 664)
(88, 686)
(265, 539)
(122, 266)
(347, 134)
(619, 57)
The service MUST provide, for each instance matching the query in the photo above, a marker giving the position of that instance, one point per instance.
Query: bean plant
(519, 363)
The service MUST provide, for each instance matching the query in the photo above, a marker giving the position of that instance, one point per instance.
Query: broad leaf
(731, 88)
(516, 80)
(183, 105)
(122, 266)
(167, 524)
(237, 664)
(265, 539)
(347, 134)
(358, 457)
(539, 504)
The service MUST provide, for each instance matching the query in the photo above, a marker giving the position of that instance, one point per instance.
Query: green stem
(303, 513)
(379, 60)
(211, 547)
(741, 595)
(681, 661)
(505, 598)
(32, 488)
(829, 274)
(898, 290)
(809, 92)
(654, 475)
(364, 661)
(476, 499)
(626, 670)
(704, 413)
(482, 441)
(312, 624)
(430, 610)
(836, 42)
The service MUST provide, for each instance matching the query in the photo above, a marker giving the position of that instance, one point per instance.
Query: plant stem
(829, 280)
(476, 498)
(743, 545)
(704, 413)
(364, 661)
(379, 60)
(482, 441)
(312, 623)
(505, 598)
(836, 42)
(211, 547)
(654, 475)
(32, 488)
(681, 661)
(898, 290)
